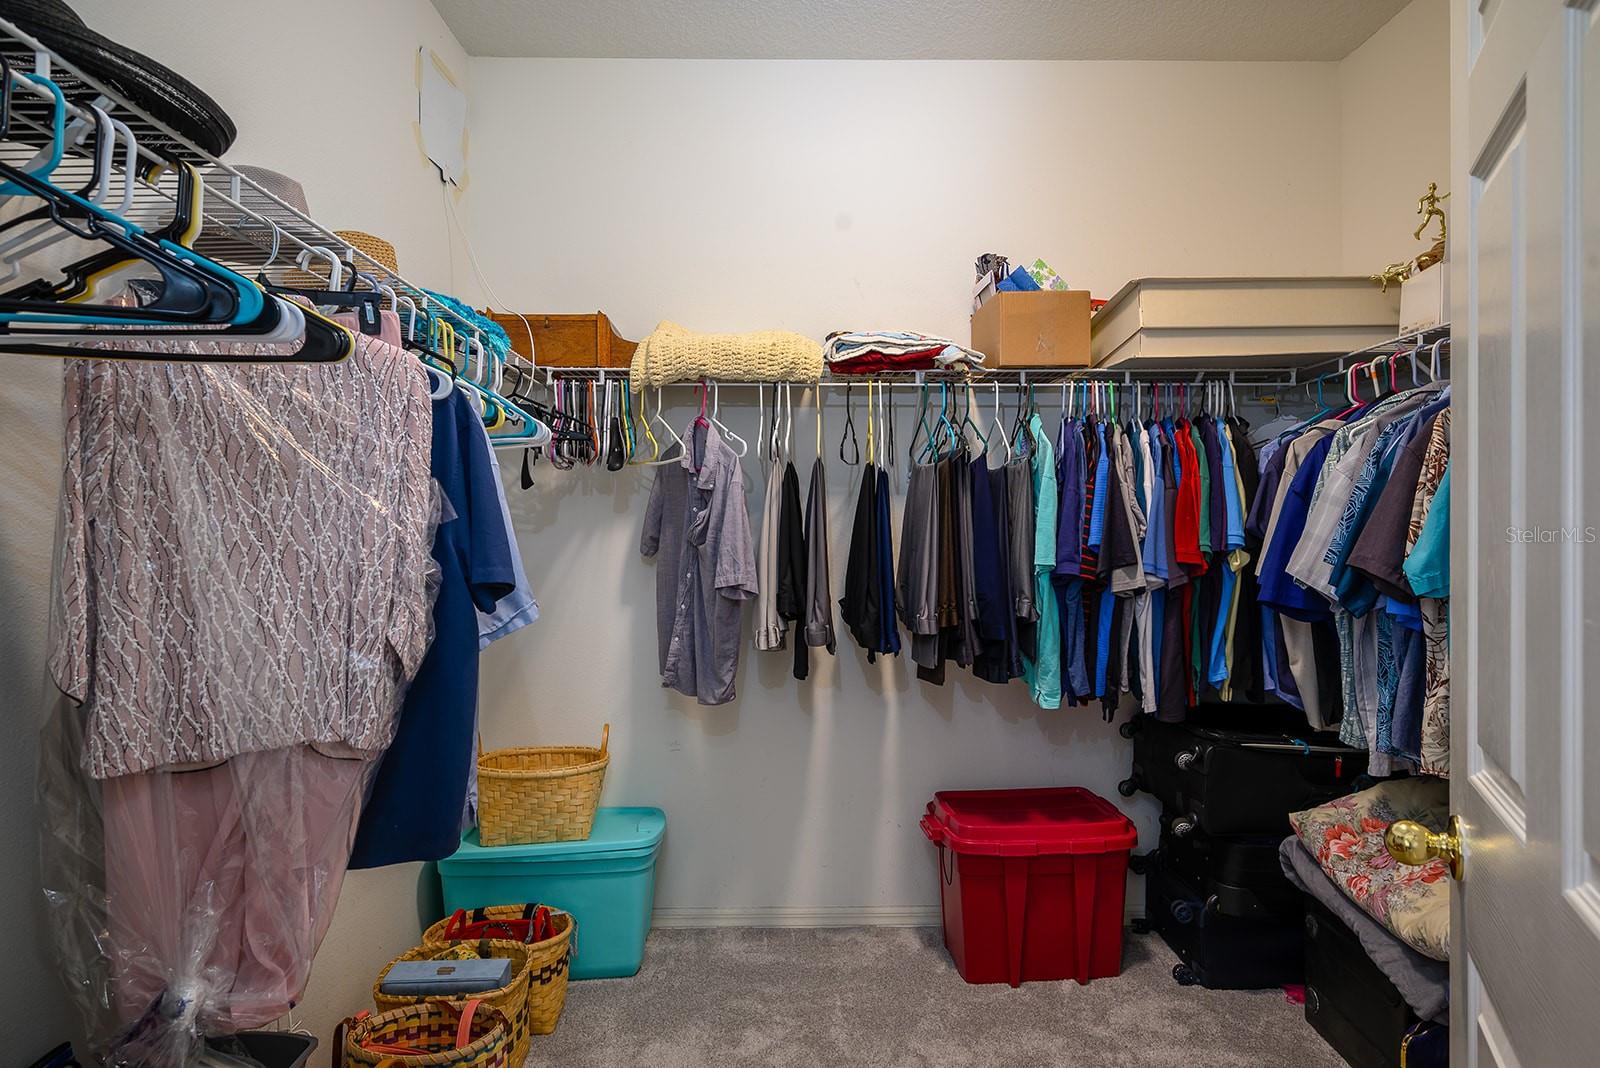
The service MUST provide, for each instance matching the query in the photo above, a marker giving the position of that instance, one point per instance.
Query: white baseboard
(807, 916)
(799, 916)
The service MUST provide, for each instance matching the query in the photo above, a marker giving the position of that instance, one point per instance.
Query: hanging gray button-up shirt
(698, 529)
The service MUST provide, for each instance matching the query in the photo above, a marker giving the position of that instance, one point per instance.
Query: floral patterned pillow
(1346, 837)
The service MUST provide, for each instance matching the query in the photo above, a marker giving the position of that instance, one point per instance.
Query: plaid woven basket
(432, 1034)
(511, 999)
(548, 960)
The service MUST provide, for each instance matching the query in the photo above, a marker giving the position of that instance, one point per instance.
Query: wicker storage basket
(511, 999)
(540, 794)
(547, 962)
(430, 1029)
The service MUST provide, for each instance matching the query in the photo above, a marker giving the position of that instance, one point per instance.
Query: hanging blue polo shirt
(414, 811)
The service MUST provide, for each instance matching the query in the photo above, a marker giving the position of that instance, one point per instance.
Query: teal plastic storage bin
(607, 882)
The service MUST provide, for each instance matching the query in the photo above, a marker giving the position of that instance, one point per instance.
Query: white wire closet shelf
(246, 227)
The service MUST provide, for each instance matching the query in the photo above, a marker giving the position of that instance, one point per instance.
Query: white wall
(1394, 94)
(284, 74)
(835, 195)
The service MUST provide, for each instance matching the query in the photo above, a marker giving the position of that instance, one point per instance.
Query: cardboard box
(1049, 328)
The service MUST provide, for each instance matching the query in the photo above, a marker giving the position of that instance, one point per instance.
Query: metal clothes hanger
(849, 431)
(998, 428)
(723, 428)
(967, 425)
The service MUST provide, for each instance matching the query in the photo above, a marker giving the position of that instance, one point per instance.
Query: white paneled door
(1525, 532)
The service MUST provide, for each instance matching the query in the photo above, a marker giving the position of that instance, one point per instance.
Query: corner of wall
(1394, 137)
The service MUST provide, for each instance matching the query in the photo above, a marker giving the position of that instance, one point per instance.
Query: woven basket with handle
(431, 1034)
(545, 794)
(548, 961)
(511, 999)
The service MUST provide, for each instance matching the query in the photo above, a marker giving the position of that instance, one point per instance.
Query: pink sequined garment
(245, 554)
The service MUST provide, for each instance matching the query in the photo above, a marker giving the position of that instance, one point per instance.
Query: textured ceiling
(918, 29)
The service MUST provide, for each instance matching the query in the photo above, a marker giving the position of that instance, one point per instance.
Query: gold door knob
(1410, 842)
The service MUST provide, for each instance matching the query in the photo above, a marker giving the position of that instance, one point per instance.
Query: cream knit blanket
(673, 354)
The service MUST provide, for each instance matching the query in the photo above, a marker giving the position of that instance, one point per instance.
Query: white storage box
(1425, 299)
(1202, 322)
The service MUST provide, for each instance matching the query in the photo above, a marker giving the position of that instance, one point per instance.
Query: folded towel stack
(895, 350)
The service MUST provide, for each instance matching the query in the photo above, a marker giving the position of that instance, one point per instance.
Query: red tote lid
(1067, 819)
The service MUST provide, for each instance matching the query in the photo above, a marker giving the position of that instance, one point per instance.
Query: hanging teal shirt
(1428, 565)
(1043, 674)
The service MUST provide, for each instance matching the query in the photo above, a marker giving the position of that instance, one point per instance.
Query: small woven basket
(544, 794)
(548, 962)
(511, 999)
(430, 1029)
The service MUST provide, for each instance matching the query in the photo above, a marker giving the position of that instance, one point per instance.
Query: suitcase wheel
(1182, 911)
(1129, 728)
(1139, 863)
(1182, 974)
(1128, 787)
(1182, 826)
(1185, 760)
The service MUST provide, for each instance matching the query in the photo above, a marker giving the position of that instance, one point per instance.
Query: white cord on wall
(472, 257)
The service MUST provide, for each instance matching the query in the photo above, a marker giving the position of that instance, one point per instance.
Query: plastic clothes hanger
(949, 428)
(195, 290)
(45, 234)
(51, 156)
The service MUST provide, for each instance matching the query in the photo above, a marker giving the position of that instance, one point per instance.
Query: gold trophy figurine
(1427, 207)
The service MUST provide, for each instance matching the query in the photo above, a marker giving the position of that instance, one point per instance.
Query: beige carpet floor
(890, 998)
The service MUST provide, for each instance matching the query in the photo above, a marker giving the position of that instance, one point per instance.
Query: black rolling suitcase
(1354, 1006)
(1218, 951)
(1231, 782)
(1238, 876)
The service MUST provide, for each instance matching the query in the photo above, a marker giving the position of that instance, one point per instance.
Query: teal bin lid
(618, 833)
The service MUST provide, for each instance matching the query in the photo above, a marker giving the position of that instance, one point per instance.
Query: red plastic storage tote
(1032, 882)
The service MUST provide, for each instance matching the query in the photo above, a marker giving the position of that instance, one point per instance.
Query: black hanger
(849, 432)
(77, 276)
(366, 302)
(191, 294)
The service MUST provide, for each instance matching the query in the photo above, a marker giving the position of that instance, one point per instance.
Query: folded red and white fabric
(848, 352)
